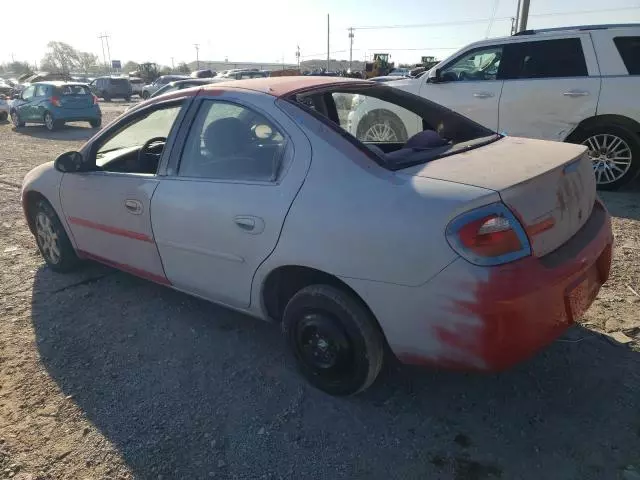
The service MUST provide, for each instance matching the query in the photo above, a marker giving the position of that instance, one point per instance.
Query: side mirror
(68, 162)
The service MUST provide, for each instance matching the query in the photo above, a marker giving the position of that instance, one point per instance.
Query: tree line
(60, 57)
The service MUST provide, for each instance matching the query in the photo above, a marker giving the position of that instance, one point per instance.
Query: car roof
(283, 86)
(58, 83)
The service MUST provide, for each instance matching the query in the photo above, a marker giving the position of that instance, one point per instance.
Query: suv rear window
(118, 81)
(544, 59)
(629, 48)
(73, 90)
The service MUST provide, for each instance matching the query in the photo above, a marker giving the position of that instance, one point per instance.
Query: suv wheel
(615, 153)
(3, 116)
(337, 344)
(381, 126)
(106, 97)
(145, 95)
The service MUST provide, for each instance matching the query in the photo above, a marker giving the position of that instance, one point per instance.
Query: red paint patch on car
(109, 229)
(524, 305)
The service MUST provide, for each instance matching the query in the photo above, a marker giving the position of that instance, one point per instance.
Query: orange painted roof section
(282, 86)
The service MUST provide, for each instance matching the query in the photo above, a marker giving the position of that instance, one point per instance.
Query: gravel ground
(105, 376)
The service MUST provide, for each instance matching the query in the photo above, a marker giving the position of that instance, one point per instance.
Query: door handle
(249, 224)
(576, 93)
(483, 95)
(133, 206)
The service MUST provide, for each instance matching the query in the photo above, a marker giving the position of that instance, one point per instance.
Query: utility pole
(328, 57)
(350, 47)
(298, 56)
(514, 28)
(524, 16)
(197, 45)
(104, 58)
(173, 67)
(108, 51)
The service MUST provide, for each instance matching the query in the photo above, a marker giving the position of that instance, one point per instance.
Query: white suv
(573, 84)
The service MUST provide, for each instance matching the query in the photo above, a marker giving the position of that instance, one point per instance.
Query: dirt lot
(104, 376)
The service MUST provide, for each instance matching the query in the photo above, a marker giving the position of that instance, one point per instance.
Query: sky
(270, 30)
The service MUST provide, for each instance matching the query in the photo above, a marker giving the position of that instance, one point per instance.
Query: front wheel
(336, 342)
(145, 95)
(15, 119)
(95, 123)
(127, 99)
(52, 240)
(3, 116)
(614, 152)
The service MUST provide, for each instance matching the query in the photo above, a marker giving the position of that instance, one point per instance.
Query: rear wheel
(614, 152)
(52, 240)
(50, 123)
(145, 95)
(3, 116)
(95, 123)
(334, 339)
(15, 119)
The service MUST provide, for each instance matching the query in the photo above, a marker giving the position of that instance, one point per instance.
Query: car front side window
(27, 94)
(479, 64)
(232, 142)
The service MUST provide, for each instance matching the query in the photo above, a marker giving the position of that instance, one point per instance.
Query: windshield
(400, 129)
(73, 90)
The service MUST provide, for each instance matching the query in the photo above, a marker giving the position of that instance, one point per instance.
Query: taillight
(490, 235)
(55, 101)
(95, 100)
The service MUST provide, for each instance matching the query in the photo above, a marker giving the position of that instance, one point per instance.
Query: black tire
(66, 260)
(383, 119)
(336, 343)
(145, 95)
(95, 123)
(49, 122)
(106, 97)
(15, 119)
(127, 99)
(631, 149)
(3, 116)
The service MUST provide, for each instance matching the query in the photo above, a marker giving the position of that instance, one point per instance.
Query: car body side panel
(347, 196)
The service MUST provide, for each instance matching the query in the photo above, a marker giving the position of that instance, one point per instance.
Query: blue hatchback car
(54, 103)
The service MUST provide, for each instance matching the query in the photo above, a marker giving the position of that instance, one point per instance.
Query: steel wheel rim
(47, 238)
(15, 119)
(610, 155)
(48, 121)
(322, 345)
(380, 132)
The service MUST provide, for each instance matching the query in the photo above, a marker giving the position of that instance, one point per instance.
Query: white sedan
(457, 248)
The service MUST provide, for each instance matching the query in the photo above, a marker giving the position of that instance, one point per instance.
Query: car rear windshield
(629, 48)
(73, 90)
(398, 129)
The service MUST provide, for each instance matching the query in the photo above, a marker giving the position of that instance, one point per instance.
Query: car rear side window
(41, 91)
(232, 142)
(544, 59)
(629, 48)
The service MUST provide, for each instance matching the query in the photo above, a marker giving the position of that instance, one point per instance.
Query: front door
(108, 209)
(470, 85)
(220, 216)
(24, 104)
(550, 86)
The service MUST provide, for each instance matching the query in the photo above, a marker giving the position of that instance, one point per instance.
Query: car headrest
(226, 136)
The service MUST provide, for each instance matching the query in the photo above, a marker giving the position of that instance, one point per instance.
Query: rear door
(550, 85)
(470, 84)
(218, 214)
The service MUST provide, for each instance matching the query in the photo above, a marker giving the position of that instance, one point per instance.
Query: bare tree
(87, 62)
(60, 57)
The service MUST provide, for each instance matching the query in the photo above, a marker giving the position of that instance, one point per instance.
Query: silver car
(160, 82)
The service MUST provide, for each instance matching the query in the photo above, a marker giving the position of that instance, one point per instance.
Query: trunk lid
(549, 186)
(74, 96)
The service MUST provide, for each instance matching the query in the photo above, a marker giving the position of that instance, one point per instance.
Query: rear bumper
(77, 114)
(502, 315)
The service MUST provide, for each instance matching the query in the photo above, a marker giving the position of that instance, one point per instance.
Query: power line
(483, 20)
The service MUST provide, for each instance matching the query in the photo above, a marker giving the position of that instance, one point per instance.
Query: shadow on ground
(70, 132)
(186, 389)
(625, 203)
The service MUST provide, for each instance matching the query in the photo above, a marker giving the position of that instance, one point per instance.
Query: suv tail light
(95, 100)
(55, 101)
(489, 235)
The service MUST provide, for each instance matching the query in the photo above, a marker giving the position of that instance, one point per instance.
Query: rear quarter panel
(354, 219)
